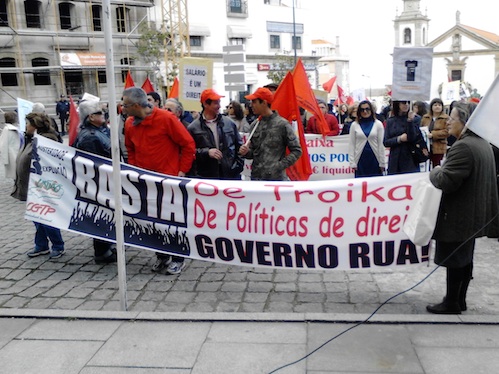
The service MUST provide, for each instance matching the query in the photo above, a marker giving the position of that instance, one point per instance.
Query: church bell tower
(411, 26)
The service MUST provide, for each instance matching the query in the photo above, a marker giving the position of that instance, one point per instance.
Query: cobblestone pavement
(75, 282)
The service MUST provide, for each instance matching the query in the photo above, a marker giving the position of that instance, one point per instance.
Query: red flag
(74, 121)
(328, 86)
(305, 96)
(147, 86)
(129, 81)
(286, 104)
(174, 90)
(341, 95)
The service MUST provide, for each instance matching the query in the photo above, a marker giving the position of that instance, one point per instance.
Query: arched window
(41, 77)
(407, 36)
(96, 17)
(8, 79)
(32, 11)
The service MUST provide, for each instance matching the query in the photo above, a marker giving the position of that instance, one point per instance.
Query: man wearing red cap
(217, 141)
(156, 140)
(270, 136)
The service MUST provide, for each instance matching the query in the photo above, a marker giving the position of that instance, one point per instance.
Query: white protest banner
(482, 120)
(196, 75)
(334, 224)
(328, 157)
(412, 73)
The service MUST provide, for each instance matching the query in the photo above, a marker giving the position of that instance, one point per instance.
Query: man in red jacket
(156, 140)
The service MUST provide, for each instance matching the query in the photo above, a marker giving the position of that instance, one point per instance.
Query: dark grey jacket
(468, 182)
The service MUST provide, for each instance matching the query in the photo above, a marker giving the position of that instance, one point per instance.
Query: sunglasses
(365, 109)
(97, 113)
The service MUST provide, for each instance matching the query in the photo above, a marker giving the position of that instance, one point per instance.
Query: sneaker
(106, 259)
(38, 252)
(56, 254)
(161, 263)
(175, 267)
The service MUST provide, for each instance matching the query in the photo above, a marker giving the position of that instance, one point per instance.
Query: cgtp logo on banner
(412, 73)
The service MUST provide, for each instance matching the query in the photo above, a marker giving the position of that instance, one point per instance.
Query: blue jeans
(44, 233)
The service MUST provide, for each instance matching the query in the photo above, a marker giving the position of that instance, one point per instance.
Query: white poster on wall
(412, 69)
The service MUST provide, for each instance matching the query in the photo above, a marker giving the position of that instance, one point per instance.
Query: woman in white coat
(365, 148)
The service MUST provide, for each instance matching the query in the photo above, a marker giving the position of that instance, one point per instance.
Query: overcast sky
(348, 18)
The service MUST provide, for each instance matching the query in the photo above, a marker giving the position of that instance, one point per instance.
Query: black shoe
(160, 264)
(444, 308)
(106, 259)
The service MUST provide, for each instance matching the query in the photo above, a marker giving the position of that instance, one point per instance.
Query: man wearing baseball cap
(217, 141)
(270, 136)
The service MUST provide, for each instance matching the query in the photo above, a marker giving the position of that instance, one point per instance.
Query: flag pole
(115, 152)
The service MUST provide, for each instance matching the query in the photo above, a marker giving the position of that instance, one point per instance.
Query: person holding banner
(156, 140)
(94, 137)
(366, 151)
(41, 124)
(269, 138)
(469, 207)
(401, 130)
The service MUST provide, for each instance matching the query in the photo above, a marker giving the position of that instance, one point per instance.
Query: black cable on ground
(379, 307)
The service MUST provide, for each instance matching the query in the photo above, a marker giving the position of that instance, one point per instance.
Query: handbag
(422, 217)
(419, 149)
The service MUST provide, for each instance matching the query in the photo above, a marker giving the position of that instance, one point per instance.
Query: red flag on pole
(74, 121)
(328, 86)
(174, 90)
(305, 96)
(341, 95)
(147, 86)
(287, 106)
(129, 81)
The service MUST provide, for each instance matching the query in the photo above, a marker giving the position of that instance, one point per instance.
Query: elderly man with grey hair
(94, 136)
(176, 107)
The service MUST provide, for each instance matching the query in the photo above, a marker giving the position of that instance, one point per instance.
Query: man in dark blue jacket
(94, 137)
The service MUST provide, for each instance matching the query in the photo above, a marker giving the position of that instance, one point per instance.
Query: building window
(124, 70)
(266, 1)
(456, 75)
(275, 41)
(65, 15)
(96, 17)
(122, 21)
(41, 77)
(237, 8)
(296, 42)
(74, 82)
(101, 76)
(32, 11)
(4, 16)
(195, 41)
(8, 79)
(407, 36)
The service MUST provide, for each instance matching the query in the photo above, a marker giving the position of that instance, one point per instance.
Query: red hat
(210, 94)
(263, 94)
